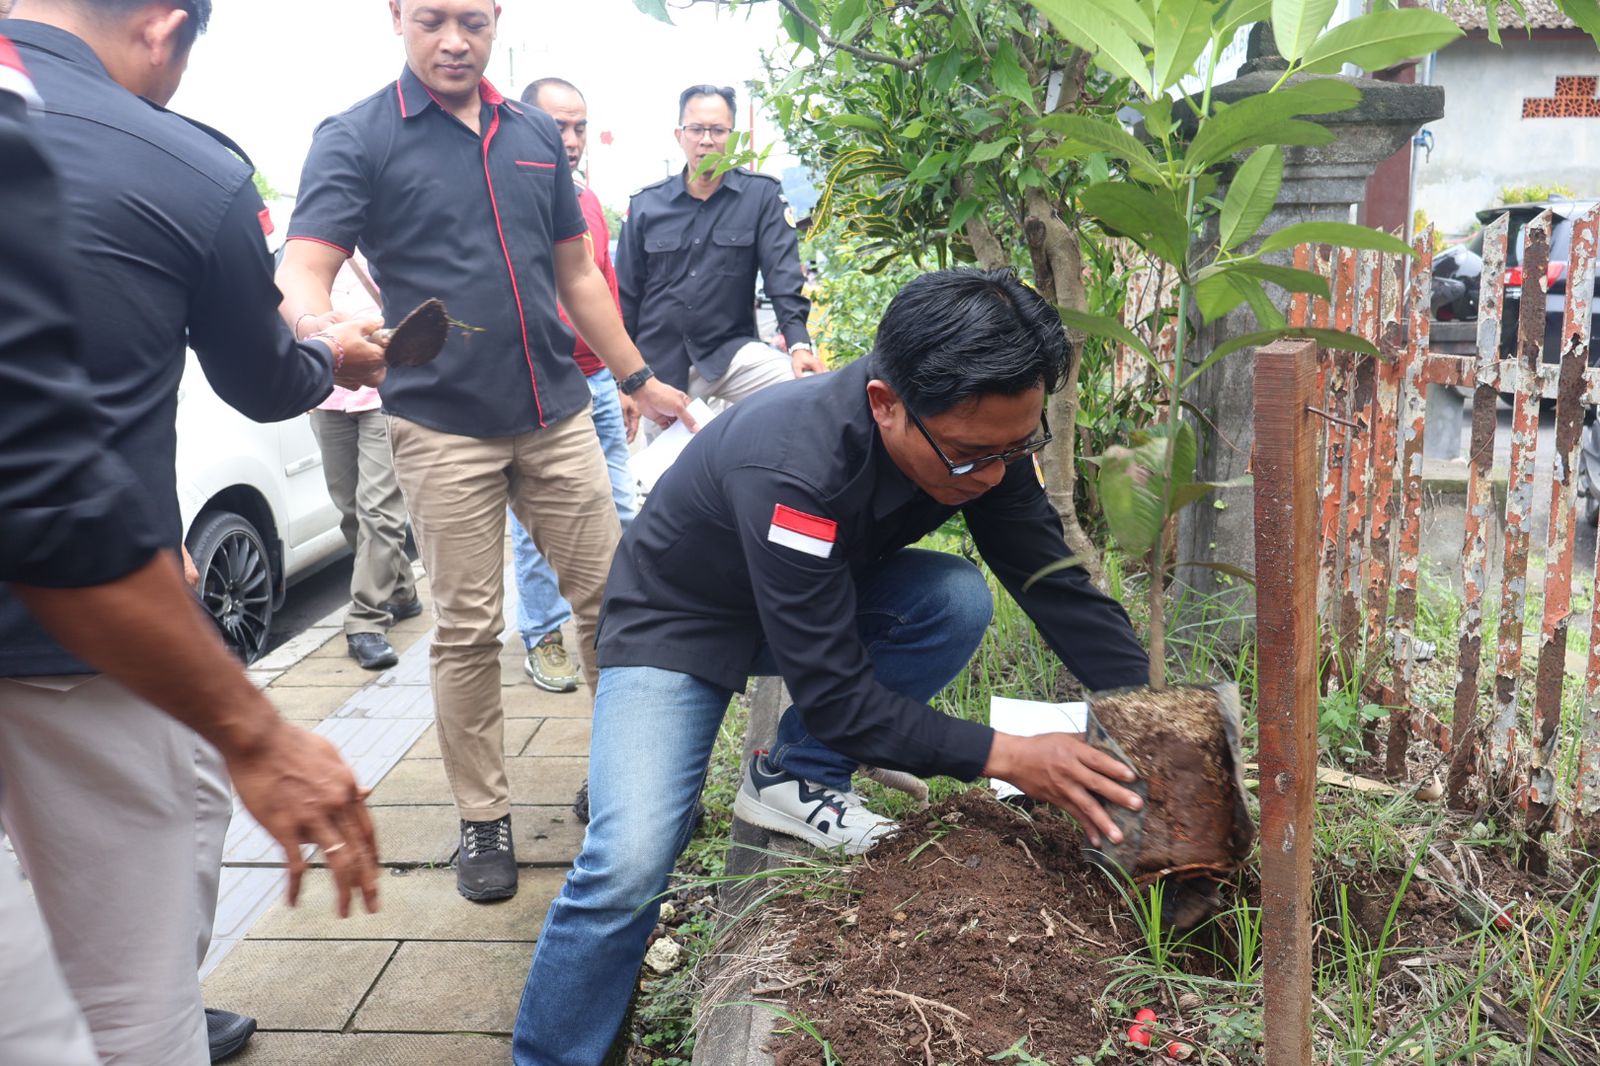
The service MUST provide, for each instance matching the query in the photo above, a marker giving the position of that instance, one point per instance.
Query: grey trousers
(118, 815)
(359, 469)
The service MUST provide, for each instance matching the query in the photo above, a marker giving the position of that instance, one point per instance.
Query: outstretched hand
(302, 792)
(1061, 769)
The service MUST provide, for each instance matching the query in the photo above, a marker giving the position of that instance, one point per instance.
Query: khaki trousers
(457, 490)
(360, 473)
(754, 367)
(118, 815)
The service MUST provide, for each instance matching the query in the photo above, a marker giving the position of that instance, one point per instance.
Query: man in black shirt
(779, 539)
(453, 191)
(157, 227)
(687, 262)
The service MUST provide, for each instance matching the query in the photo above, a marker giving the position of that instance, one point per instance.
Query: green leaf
(1296, 23)
(1225, 568)
(1139, 214)
(913, 129)
(1380, 40)
(1182, 31)
(1106, 136)
(1284, 277)
(1093, 30)
(1158, 120)
(844, 16)
(987, 150)
(1340, 234)
(1216, 295)
(964, 210)
(1585, 14)
(930, 167)
(1045, 571)
(1251, 196)
(1109, 328)
(1133, 512)
(1267, 314)
(857, 122)
(1270, 119)
(1009, 77)
(1328, 338)
(656, 9)
(1239, 13)
(1133, 17)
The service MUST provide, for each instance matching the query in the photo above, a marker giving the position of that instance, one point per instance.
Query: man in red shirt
(541, 610)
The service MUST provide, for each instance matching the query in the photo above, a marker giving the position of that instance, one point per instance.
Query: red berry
(1139, 1031)
(1145, 1015)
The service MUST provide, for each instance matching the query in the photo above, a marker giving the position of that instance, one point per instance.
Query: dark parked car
(1457, 270)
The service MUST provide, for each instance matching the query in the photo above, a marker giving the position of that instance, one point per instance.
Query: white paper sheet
(649, 464)
(1029, 718)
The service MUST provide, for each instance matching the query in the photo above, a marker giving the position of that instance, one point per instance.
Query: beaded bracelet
(333, 346)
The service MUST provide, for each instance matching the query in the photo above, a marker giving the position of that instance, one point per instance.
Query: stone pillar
(1319, 184)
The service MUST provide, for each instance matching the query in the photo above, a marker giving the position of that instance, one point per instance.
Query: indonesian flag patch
(803, 532)
(14, 76)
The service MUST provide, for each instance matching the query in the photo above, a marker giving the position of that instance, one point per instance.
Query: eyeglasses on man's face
(1010, 455)
(697, 131)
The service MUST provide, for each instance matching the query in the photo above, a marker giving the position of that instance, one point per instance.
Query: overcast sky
(268, 71)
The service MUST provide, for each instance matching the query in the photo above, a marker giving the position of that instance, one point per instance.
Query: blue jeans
(920, 615)
(540, 606)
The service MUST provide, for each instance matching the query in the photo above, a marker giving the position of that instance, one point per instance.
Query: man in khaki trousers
(452, 191)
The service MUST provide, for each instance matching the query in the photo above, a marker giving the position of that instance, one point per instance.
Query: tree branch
(914, 63)
(991, 256)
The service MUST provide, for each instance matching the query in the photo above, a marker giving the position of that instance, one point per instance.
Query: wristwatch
(635, 381)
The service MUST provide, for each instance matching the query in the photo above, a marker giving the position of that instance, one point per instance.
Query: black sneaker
(399, 612)
(486, 867)
(227, 1033)
(371, 651)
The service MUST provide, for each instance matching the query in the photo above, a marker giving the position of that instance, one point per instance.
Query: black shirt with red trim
(162, 234)
(759, 533)
(686, 269)
(71, 514)
(469, 218)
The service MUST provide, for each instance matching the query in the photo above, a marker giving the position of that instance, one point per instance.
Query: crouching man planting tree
(777, 544)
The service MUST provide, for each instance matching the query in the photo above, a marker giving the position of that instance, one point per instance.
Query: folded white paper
(649, 464)
(1030, 718)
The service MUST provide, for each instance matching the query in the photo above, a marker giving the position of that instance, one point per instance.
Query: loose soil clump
(958, 941)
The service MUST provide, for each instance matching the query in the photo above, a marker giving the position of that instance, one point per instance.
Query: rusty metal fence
(1370, 518)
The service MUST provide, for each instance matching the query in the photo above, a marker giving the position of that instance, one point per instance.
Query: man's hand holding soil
(1060, 768)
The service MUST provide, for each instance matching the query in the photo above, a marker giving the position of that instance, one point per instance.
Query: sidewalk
(430, 979)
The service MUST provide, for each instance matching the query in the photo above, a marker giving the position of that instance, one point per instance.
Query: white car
(256, 511)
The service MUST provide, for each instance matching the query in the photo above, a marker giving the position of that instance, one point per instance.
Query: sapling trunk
(1158, 622)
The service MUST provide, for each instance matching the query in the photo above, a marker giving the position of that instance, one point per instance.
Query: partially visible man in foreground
(777, 543)
(108, 842)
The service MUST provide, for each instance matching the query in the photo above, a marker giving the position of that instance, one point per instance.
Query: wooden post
(1285, 463)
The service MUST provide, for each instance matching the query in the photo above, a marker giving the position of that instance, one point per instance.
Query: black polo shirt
(163, 237)
(686, 269)
(440, 211)
(71, 514)
(761, 530)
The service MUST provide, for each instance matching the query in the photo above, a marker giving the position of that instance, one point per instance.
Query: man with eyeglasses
(687, 261)
(778, 542)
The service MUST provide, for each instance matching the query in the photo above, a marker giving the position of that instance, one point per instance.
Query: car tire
(235, 580)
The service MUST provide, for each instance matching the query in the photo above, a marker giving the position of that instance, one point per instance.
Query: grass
(1381, 997)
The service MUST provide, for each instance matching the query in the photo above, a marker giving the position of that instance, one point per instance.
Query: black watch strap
(635, 381)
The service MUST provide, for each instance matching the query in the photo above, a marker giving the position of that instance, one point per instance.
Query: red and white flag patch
(14, 76)
(803, 532)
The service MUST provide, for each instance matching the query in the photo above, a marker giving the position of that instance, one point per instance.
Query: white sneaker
(821, 816)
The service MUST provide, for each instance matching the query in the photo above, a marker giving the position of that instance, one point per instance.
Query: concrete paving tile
(404, 639)
(373, 1049)
(449, 987)
(428, 835)
(560, 736)
(298, 647)
(331, 649)
(340, 670)
(298, 984)
(383, 699)
(243, 895)
(372, 746)
(518, 731)
(551, 781)
(302, 703)
(416, 905)
(523, 700)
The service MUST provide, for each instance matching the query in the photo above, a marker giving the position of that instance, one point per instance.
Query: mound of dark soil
(960, 942)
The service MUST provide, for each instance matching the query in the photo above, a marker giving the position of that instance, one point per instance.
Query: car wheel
(235, 580)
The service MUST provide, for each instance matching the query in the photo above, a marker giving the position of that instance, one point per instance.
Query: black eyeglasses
(1010, 455)
(698, 131)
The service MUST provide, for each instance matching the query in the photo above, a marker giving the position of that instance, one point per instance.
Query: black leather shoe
(372, 651)
(227, 1033)
(486, 867)
(399, 612)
